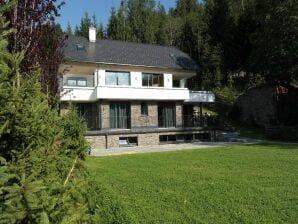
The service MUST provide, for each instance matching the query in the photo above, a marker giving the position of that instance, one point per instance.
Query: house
(131, 93)
(270, 104)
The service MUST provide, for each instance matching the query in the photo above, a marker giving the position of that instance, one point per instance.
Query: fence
(137, 122)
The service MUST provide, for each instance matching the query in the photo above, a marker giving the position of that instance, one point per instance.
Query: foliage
(86, 22)
(283, 133)
(225, 99)
(238, 184)
(37, 150)
(33, 22)
(275, 42)
(248, 41)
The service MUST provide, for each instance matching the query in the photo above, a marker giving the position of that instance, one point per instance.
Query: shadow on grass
(287, 146)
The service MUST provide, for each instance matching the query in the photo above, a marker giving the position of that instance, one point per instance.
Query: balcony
(200, 97)
(141, 93)
(79, 94)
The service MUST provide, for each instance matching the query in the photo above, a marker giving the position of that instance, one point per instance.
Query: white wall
(101, 75)
(136, 79)
(83, 94)
(141, 93)
(168, 80)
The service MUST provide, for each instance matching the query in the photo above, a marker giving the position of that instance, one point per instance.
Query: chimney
(92, 34)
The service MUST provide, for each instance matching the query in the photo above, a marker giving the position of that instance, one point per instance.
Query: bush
(282, 133)
(225, 98)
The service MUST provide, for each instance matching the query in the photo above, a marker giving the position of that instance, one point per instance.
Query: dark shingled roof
(126, 53)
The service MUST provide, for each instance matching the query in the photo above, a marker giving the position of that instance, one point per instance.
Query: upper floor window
(77, 81)
(149, 79)
(118, 78)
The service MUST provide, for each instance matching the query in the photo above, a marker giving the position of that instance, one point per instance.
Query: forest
(236, 43)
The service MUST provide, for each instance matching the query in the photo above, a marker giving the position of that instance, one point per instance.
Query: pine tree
(68, 30)
(83, 29)
(39, 151)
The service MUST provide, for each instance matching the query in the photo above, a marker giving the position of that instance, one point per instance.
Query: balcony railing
(201, 97)
(153, 122)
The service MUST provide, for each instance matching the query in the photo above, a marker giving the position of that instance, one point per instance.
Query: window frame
(117, 78)
(151, 78)
(76, 79)
(144, 109)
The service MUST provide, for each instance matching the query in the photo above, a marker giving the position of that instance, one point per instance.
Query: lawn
(239, 184)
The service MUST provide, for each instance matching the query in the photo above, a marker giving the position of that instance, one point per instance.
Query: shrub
(40, 173)
(225, 98)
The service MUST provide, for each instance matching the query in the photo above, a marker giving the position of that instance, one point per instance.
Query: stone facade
(105, 114)
(97, 142)
(141, 121)
(179, 117)
(145, 139)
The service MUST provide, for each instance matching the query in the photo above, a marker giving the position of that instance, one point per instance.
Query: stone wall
(97, 142)
(105, 114)
(139, 120)
(257, 106)
(146, 139)
(179, 114)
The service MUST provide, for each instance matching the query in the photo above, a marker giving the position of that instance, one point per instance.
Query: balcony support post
(201, 114)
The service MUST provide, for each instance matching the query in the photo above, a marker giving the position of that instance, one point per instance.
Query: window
(118, 78)
(176, 83)
(77, 81)
(166, 115)
(155, 80)
(120, 115)
(144, 109)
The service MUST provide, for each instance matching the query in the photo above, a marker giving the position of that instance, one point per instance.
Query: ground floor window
(166, 115)
(120, 115)
(90, 114)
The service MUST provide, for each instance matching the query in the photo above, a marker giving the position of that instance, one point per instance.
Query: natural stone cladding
(138, 120)
(146, 139)
(105, 114)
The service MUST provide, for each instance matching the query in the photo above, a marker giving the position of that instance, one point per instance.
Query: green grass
(251, 132)
(240, 184)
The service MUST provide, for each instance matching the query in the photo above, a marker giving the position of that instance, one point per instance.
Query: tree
(29, 19)
(275, 41)
(185, 7)
(118, 26)
(68, 30)
(83, 29)
(142, 19)
(37, 149)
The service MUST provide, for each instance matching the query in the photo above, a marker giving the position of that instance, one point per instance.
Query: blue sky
(73, 10)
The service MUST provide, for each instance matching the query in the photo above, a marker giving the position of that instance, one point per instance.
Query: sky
(73, 10)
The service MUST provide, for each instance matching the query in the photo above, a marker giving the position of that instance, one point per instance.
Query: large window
(166, 115)
(76, 81)
(120, 115)
(155, 80)
(117, 78)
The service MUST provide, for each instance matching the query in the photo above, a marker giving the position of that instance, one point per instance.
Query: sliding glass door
(120, 115)
(166, 115)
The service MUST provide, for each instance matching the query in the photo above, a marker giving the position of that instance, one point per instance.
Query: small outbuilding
(270, 104)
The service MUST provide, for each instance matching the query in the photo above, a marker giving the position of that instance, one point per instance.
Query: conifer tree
(39, 150)
(68, 30)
